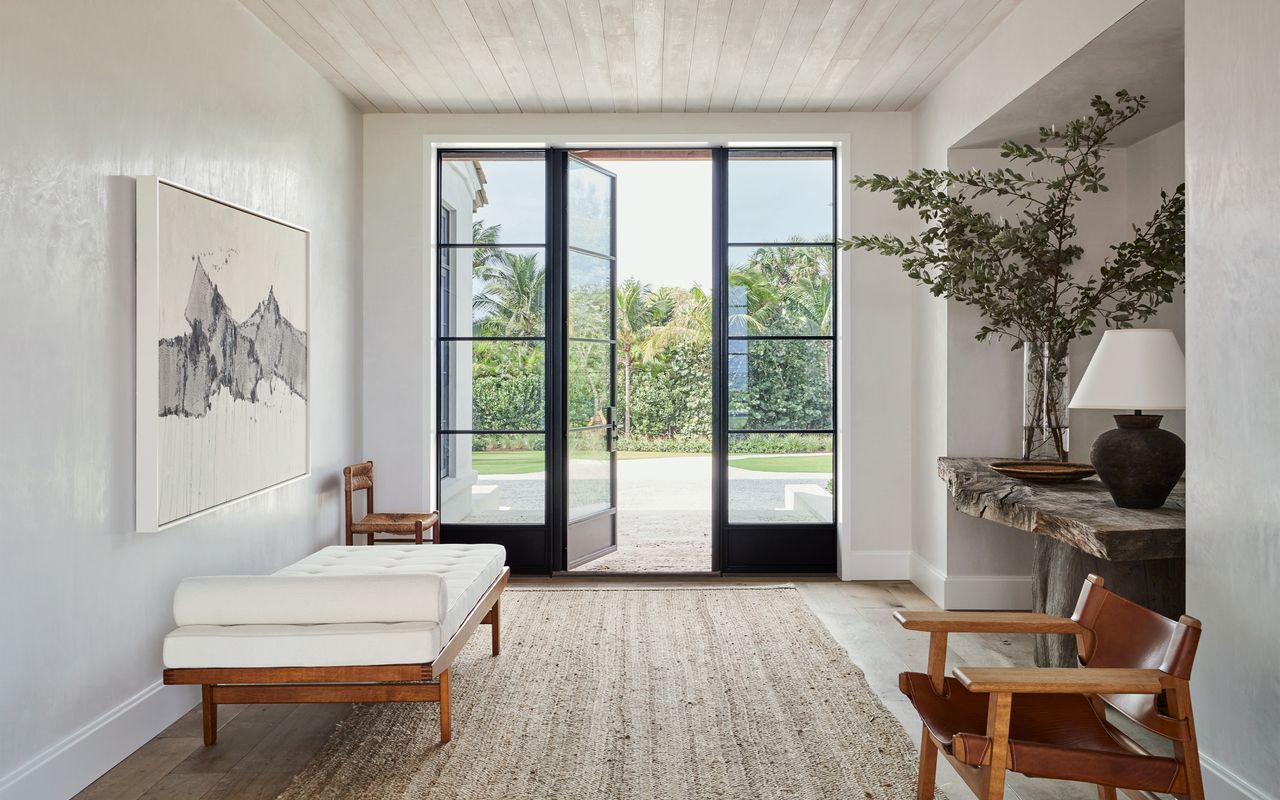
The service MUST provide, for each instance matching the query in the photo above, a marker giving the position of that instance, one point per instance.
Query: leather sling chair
(1051, 723)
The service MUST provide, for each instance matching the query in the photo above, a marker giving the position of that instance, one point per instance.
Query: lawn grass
(524, 462)
(820, 463)
(508, 462)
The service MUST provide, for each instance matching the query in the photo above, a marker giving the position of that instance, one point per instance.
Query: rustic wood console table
(1140, 553)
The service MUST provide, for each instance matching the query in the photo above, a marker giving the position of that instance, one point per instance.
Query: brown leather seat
(1050, 736)
(1052, 723)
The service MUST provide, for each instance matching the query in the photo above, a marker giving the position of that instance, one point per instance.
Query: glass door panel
(591, 463)
(492, 464)
(776, 409)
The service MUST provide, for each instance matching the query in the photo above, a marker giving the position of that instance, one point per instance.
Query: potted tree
(1023, 271)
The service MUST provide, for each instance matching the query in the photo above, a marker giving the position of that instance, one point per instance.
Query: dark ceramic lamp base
(1138, 462)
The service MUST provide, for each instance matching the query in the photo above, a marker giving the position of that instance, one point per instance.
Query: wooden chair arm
(1059, 680)
(985, 622)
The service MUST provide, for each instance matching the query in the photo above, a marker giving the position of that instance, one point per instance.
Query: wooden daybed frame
(390, 683)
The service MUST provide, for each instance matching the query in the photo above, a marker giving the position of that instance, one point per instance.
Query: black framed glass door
(590, 362)
(526, 396)
(776, 356)
(492, 467)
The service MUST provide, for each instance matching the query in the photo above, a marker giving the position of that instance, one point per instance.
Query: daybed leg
(210, 714)
(446, 724)
(928, 767)
(495, 625)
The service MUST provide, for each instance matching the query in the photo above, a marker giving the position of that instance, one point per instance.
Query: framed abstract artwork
(223, 357)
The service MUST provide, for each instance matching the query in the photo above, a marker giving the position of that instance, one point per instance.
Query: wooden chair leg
(495, 625)
(435, 530)
(210, 710)
(417, 532)
(927, 779)
(1106, 793)
(446, 722)
(999, 708)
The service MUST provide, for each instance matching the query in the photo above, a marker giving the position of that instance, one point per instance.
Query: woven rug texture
(614, 694)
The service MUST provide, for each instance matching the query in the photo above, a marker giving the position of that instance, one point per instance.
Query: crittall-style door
(590, 354)
(527, 330)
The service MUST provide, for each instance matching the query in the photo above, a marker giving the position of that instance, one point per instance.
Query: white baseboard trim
(971, 592)
(929, 579)
(1221, 783)
(988, 592)
(78, 760)
(876, 565)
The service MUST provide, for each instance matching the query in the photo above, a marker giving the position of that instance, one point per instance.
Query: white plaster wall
(1233, 345)
(92, 93)
(1036, 37)
(874, 513)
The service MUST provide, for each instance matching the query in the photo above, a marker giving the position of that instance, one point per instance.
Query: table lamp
(1141, 369)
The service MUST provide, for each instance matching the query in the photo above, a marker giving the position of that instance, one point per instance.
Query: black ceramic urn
(1138, 461)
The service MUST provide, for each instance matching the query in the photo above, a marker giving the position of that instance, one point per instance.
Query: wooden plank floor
(261, 748)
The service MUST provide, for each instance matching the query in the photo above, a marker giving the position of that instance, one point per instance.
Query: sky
(664, 210)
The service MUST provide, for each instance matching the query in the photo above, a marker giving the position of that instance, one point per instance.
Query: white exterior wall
(200, 92)
(459, 184)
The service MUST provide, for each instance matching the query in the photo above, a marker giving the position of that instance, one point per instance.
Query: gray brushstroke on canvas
(220, 353)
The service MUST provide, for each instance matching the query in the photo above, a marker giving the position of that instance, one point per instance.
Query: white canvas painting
(228, 352)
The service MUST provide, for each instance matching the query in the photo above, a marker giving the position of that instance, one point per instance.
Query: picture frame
(223, 354)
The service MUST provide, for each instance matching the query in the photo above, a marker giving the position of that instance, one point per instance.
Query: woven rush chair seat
(359, 478)
(382, 522)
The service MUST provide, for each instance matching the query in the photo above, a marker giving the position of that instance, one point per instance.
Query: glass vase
(1046, 372)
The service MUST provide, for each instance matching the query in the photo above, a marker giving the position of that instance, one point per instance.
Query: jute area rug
(725, 693)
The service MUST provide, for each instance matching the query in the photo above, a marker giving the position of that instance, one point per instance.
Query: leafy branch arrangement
(1018, 271)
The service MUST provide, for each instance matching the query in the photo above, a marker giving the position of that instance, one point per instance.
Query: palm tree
(511, 302)
(634, 323)
(685, 315)
(486, 239)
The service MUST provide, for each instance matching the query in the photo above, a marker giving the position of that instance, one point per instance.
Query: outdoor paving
(664, 509)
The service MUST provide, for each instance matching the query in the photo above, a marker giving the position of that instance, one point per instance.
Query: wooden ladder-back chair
(359, 478)
(1050, 722)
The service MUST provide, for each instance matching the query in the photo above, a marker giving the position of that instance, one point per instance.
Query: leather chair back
(1123, 634)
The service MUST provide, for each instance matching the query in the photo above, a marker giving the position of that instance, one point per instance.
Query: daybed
(347, 624)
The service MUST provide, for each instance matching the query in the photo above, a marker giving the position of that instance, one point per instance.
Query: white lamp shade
(1138, 369)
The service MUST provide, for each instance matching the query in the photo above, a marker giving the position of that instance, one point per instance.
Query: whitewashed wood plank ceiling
(548, 56)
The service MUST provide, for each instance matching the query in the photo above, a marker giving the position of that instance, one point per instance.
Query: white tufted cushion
(465, 570)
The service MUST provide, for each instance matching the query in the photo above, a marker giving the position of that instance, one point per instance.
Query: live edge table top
(1080, 514)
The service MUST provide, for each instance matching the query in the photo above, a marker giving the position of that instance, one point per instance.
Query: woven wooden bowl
(1043, 471)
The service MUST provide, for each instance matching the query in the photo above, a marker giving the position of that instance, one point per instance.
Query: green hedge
(758, 443)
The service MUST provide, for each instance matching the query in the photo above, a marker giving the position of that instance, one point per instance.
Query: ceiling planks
(555, 56)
